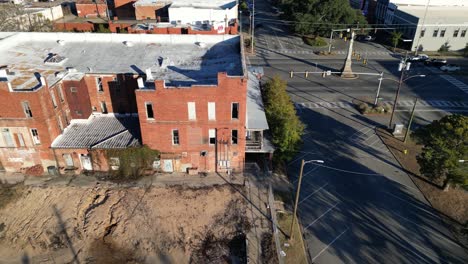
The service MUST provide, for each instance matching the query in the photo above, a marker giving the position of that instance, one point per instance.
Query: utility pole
(422, 27)
(297, 200)
(410, 121)
(397, 95)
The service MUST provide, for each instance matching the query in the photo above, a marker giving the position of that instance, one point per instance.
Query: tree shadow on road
(365, 212)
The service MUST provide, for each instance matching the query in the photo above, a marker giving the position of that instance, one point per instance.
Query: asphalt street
(360, 206)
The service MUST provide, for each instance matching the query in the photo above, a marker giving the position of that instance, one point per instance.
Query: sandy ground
(116, 225)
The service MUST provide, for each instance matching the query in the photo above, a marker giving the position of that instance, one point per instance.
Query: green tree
(445, 144)
(318, 16)
(395, 38)
(465, 50)
(445, 47)
(285, 126)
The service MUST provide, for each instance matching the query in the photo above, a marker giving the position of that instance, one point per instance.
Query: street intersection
(360, 206)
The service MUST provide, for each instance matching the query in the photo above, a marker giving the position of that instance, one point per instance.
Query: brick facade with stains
(170, 110)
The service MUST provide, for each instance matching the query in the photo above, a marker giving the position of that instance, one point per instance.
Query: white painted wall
(190, 15)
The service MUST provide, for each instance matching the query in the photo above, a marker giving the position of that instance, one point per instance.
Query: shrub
(316, 41)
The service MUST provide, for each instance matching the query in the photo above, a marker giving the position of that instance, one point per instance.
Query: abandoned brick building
(188, 96)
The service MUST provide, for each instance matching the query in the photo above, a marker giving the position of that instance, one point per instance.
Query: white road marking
(307, 197)
(322, 215)
(333, 241)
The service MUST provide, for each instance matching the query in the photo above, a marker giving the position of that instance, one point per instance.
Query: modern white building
(198, 12)
(434, 26)
(386, 8)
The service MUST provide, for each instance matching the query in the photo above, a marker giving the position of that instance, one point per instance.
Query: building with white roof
(65, 95)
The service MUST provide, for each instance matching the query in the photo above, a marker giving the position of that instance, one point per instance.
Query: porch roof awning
(100, 132)
(256, 118)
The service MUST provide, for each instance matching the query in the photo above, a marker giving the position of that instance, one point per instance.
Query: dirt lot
(452, 204)
(122, 225)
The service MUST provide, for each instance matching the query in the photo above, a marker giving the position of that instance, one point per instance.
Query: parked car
(436, 62)
(419, 58)
(369, 38)
(450, 68)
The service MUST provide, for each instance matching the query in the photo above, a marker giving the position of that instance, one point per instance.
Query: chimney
(141, 84)
(149, 76)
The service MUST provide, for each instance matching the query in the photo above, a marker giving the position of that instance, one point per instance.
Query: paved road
(360, 207)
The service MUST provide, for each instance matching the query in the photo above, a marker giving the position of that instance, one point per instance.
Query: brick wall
(91, 10)
(124, 9)
(171, 112)
(69, 26)
(44, 119)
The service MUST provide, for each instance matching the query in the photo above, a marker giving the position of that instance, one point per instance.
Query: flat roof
(256, 118)
(438, 15)
(219, 4)
(105, 131)
(179, 60)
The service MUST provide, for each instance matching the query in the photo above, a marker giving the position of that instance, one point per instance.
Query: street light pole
(378, 89)
(330, 44)
(297, 194)
(396, 98)
(410, 121)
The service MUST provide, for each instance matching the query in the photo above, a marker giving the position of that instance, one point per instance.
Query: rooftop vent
(54, 58)
(71, 69)
(60, 74)
(61, 42)
(128, 43)
(201, 44)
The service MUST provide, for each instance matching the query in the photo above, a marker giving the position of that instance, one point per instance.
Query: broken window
(103, 107)
(235, 111)
(463, 33)
(35, 136)
(149, 110)
(99, 84)
(442, 33)
(7, 137)
(455, 33)
(234, 136)
(27, 109)
(175, 137)
(212, 136)
(192, 114)
(435, 33)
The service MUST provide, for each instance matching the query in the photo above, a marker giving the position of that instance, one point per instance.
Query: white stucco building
(197, 12)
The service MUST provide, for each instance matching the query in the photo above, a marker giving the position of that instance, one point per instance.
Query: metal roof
(256, 118)
(104, 131)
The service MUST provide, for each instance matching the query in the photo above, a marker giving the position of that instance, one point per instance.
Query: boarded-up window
(192, 114)
(19, 140)
(7, 137)
(103, 107)
(211, 111)
(68, 160)
(54, 101)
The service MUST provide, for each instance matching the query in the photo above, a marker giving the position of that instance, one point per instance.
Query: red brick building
(185, 96)
(92, 8)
